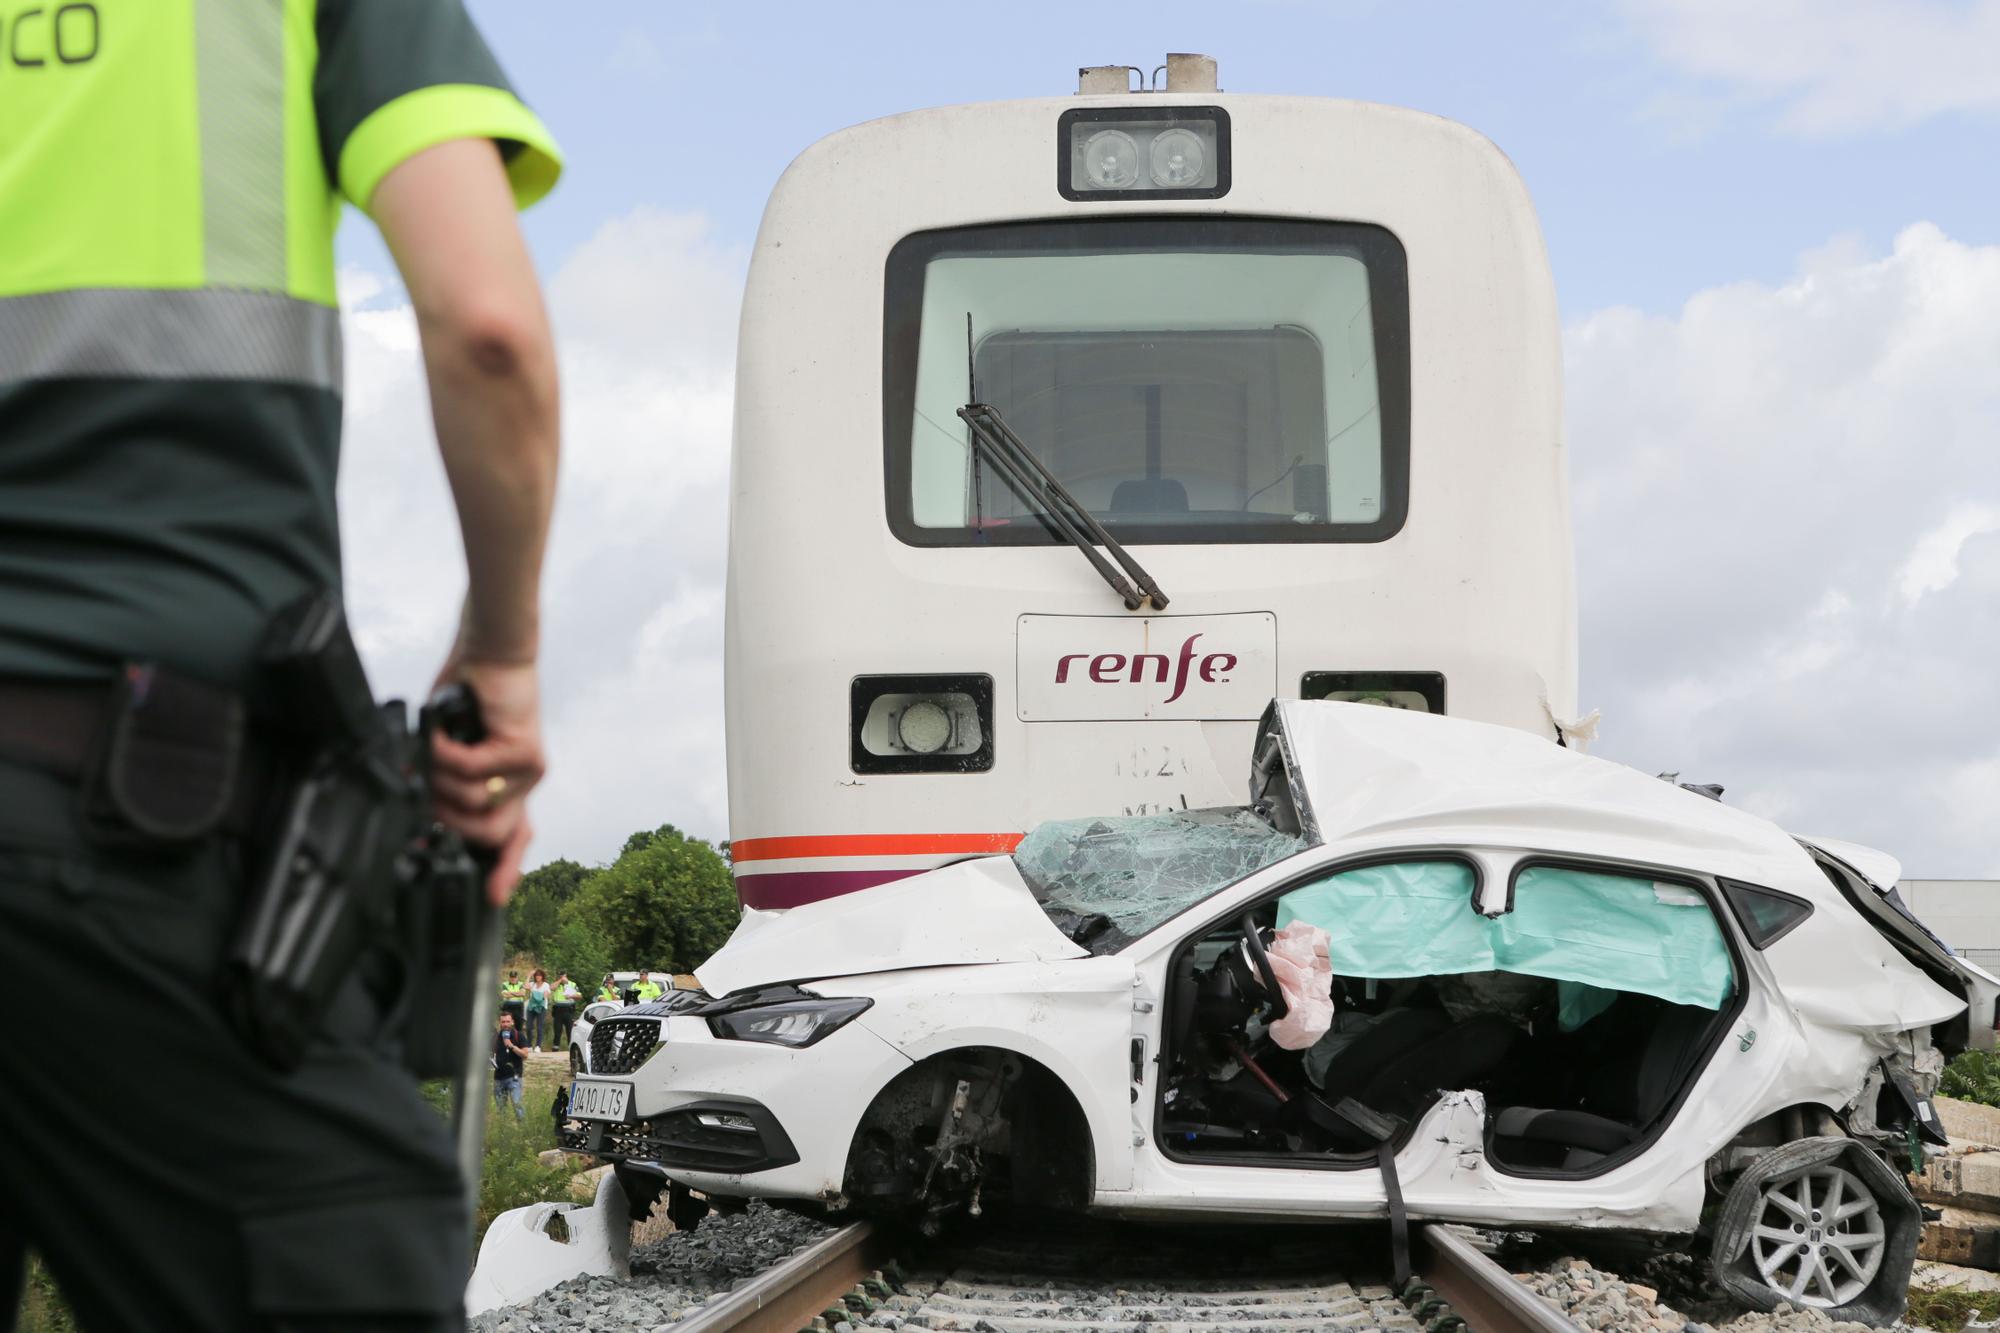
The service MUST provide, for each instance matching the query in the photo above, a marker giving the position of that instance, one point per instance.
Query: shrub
(1973, 1077)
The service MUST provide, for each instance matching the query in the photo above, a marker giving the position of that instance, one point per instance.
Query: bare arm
(448, 217)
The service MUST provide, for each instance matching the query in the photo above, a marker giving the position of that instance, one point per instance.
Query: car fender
(1072, 1017)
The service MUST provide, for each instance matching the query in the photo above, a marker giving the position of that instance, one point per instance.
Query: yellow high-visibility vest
(171, 175)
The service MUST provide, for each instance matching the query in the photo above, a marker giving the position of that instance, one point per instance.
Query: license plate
(592, 1100)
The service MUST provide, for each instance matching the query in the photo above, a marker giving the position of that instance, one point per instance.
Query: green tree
(579, 949)
(560, 879)
(534, 912)
(667, 901)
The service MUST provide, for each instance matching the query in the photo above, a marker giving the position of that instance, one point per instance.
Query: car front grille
(619, 1045)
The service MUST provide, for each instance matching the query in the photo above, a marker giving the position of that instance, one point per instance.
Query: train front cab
(1299, 356)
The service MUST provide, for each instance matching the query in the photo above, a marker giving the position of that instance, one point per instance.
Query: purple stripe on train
(794, 888)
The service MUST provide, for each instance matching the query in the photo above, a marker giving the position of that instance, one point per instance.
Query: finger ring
(496, 787)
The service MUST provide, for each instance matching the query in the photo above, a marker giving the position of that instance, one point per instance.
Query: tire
(1821, 1223)
(1818, 1237)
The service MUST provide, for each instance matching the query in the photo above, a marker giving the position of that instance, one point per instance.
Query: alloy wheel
(1818, 1239)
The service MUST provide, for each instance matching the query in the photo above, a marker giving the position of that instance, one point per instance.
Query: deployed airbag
(1615, 932)
(1305, 978)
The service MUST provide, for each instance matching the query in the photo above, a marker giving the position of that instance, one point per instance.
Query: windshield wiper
(1013, 460)
(995, 441)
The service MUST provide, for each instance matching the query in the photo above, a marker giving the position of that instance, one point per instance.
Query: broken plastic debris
(1139, 871)
(1578, 733)
(1305, 979)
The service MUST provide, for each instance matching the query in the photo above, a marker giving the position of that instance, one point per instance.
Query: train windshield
(1189, 380)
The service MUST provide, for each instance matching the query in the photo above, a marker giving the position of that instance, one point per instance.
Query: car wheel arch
(1058, 1149)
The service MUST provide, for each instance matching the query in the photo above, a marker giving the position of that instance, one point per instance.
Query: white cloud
(1788, 519)
(1786, 497)
(1835, 66)
(645, 314)
(1933, 564)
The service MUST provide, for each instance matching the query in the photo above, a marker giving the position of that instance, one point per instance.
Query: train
(1070, 432)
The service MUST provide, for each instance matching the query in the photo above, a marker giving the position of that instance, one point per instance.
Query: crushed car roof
(1361, 774)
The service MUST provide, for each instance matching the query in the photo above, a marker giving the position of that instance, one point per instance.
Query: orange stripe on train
(873, 844)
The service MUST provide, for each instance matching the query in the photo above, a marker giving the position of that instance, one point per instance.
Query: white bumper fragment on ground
(528, 1250)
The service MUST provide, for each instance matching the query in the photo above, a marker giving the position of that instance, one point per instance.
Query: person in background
(538, 1009)
(563, 999)
(609, 990)
(648, 990)
(507, 1066)
(514, 998)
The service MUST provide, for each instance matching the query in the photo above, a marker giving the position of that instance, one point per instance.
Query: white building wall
(1964, 913)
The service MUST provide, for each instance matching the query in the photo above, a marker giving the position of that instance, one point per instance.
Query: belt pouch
(163, 770)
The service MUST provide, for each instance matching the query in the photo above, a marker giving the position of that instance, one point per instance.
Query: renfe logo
(1111, 668)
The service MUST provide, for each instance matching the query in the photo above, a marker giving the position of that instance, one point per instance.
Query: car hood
(978, 911)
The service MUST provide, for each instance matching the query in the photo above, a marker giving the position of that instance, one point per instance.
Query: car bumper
(744, 1118)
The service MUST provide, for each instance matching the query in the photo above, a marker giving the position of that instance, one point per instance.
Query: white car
(579, 1037)
(1563, 994)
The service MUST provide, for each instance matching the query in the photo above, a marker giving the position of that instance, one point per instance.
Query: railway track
(1112, 1278)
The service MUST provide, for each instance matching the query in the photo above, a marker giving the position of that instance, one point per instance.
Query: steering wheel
(1254, 941)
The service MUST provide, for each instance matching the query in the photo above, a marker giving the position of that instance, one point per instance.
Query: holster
(440, 929)
(353, 864)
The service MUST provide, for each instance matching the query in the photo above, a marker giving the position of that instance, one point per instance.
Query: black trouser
(517, 1008)
(564, 1020)
(169, 1180)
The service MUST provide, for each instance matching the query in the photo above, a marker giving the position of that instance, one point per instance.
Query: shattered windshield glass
(1107, 881)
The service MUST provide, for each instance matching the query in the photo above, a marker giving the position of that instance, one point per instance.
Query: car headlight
(789, 1022)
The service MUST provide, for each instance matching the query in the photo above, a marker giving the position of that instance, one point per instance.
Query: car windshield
(1105, 882)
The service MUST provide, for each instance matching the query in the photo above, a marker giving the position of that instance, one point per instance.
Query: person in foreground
(169, 429)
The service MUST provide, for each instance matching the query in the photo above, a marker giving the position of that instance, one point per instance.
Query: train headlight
(925, 727)
(1178, 159)
(1131, 152)
(1111, 160)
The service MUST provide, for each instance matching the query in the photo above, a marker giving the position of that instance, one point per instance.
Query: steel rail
(788, 1297)
(1482, 1293)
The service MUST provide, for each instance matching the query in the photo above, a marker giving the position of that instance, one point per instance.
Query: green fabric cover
(1613, 932)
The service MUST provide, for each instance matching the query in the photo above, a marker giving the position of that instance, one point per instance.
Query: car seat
(1402, 1062)
(1625, 1095)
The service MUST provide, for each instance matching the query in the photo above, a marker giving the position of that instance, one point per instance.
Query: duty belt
(62, 728)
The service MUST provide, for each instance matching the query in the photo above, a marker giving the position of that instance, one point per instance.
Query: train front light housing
(1111, 160)
(921, 724)
(1132, 152)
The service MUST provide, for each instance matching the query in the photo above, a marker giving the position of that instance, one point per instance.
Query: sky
(1775, 233)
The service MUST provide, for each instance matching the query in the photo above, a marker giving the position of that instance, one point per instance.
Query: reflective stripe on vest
(203, 333)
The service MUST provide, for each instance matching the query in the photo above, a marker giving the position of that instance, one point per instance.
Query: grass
(42, 1308)
(1947, 1308)
(513, 1177)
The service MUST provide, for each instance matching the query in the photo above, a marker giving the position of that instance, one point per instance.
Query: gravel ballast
(1602, 1301)
(669, 1277)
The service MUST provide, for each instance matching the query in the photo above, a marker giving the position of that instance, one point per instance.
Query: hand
(480, 790)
